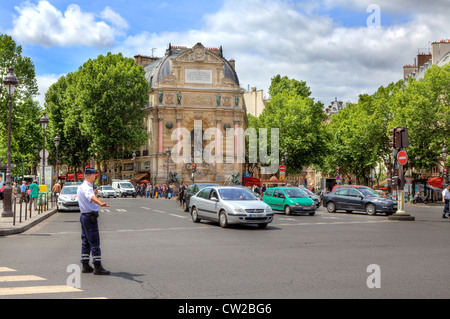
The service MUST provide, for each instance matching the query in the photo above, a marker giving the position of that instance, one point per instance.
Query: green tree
(424, 107)
(99, 109)
(359, 139)
(299, 120)
(25, 128)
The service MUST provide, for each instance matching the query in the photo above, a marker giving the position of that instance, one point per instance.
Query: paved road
(154, 250)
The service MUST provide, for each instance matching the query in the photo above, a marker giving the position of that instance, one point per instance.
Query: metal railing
(42, 203)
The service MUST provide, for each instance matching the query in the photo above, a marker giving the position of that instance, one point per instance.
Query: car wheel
(185, 206)
(194, 215)
(223, 221)
(371, 209)
(287, 210)
(331, 207)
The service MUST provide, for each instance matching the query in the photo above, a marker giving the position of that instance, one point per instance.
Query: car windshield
(107, 188)
(236, 194)
(72, 190)
(307, 191)
(369, 192)
(126, 185)
(294, 193)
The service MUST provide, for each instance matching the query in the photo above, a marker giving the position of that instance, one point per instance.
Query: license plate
(306, 208)
(256, 215)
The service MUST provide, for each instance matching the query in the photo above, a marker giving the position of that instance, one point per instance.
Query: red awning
(435, 181)
(70, 176)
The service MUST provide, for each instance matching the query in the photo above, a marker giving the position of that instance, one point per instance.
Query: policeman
(90, 237)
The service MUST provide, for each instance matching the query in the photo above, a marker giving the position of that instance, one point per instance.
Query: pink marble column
(219, 139)
(236, 138)
(160, 135)
(178, 137)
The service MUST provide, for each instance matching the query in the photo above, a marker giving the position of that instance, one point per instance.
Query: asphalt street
(155, 251)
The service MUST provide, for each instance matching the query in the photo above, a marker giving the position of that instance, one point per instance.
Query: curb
(19, 229)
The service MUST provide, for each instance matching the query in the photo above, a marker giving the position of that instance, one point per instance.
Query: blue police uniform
(90, 236)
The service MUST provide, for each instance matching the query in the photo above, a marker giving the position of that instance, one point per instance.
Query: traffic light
(194, 168)
(445, 174)
(395, 182)
(404, 138)
(396, 137)
(349, 181)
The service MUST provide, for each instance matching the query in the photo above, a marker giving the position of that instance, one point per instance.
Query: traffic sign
(282, 168)
(402, 157)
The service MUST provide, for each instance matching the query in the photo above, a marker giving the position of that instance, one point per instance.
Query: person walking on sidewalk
(90, 236)
(34, 193)
(446, 201)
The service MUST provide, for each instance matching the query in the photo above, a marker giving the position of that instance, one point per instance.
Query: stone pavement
(8, 227)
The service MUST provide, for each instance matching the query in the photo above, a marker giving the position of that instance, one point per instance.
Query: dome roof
(156, 71)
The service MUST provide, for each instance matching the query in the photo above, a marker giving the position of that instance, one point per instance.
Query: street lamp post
(36, 148)
(11, 82)
(57, 140)
(134, 167)
(44, 123)
(284, 162)
(168, 154)
(444, 156)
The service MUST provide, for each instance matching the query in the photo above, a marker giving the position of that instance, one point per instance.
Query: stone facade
(192, 90)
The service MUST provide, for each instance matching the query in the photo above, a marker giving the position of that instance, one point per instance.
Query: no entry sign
(402, 157)
(282, 168)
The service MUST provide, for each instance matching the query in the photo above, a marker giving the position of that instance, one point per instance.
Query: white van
(123, 188)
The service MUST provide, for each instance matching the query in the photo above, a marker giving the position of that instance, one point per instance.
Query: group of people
(148, 190)
(27, 192)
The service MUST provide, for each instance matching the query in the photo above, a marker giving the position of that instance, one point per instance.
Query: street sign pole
(401, 214)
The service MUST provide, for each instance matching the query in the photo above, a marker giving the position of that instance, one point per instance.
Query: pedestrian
(56, 190)
(90, 236)
(23, 192)
(181, 193)
(34, 193)
(446, 200)
(148, 190)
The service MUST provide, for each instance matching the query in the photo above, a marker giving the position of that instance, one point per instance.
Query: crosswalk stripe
(178, 216)
(6, 269)
(36, 290)
(20, 278)
(145, 208)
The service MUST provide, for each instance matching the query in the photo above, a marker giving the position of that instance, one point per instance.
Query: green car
(290, 200)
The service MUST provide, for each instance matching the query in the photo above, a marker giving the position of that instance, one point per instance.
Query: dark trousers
(90, 240)
(447, 206)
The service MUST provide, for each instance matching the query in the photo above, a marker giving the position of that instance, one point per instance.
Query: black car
(191, 191)
(358, 199)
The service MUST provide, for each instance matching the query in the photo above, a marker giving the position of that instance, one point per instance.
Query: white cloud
(267, 38)
(45, 25)
(44, 82)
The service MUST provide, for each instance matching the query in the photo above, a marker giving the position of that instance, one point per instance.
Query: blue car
(358, 199)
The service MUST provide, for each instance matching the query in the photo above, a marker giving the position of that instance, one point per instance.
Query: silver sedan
(229, 205)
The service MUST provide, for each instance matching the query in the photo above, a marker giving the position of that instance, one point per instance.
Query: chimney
(439, 49)
(144, 60)
(233, 64)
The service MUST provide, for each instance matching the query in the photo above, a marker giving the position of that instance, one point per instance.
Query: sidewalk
(6, 223)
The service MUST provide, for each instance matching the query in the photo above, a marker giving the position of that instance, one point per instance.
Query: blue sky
(327, 43)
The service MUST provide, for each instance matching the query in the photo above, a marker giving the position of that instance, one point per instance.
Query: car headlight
(268, 209)
(238, 209)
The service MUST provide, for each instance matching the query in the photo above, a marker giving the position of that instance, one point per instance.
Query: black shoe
(443, 216)
(87, 268)
(99, 270)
